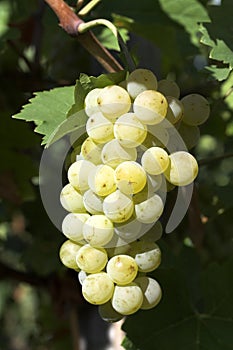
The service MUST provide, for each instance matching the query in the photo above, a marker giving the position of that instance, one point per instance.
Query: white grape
(150, 210)
(183, 168)
(146, 254)
(130, 230)
(72, 226)
(190, 134)
(91, 259)
(140, 80)
(108, 314)
(150, 107)
(114, 153)
(118, 207)
(98, 230)
(91, 151)
(175, 110)
(130, 177)
(92, 202)
(72, 200)
(68, 252)
(151, 290)
(90, 102)
(127, 299)
(155, 160)
(157, 135)
(196, 109)
(97, 288)
(82, 276)
(122, 269)
(169, 88)
(78, 174)
(99, 128)
(102, 180)
(129, 130)
(114, 101)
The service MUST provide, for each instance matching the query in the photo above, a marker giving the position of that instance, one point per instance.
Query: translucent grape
(102, 180)
(196, 109)
(98, 230)
(72, 200)
(97, 288)
(175, 110)
(140, 80)
(129, 131)
(157, 135)
(151, 290)
(68, 252)
(90, 102)
(122, 269)
(108, 314)
(146, 254)
(150, 107)
(190, 134)
(92, 202)
(114, 101)
(127, 299)
(72, 226)
(130, 177)
(91, 259)
(78, 174)
(169, 88)
(118, 207)
(114, 153)
(183, 168)
(155, 160)
(130, 230)
(99, 128)
(149, 210)
(91, 151)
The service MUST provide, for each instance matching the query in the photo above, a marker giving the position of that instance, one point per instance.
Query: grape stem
(70, 22)
(86, 9)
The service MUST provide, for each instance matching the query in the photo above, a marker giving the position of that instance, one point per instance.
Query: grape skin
(149, 210)
(155, 160)
(151, 290)
(113, 153)
(67, 254)
(169, 88)
(196, 109)
(118, 207)
(92, 202)
(127, 299)
(102, 180)
(146, 254)
(91, 151)
(108, 314)
(99, 128)
(140, 80)
(90, 102)
(98, 230)
(78, 174)
(91, 259)
(72, 200)
(130, 177)
(122, 269)
(97, 288)
(72, 226)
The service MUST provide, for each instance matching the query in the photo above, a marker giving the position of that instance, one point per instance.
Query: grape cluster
(116, 186)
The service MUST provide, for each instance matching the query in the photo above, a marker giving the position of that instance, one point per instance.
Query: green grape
(82, 276)
(168, 88)
(98, 230)
(130, 177)
(68, 252)
(183, 169)
(114, 101)
(154, 234)
(129, 131)
(140, 80)
(72, 200)
(175, 110)
(150, 107)
(91, 151)
(97, 288)
(78, 174)
(155, 160)
(90, 102)
(151, 290)
(118, 207)
(127, 299)
(72, 226)
(146, 254)
(114, 153)
(149, 210)
(122, 269)
(108, 314)
(91, 259)
(196, 109)
(102, 180)
(92, 202)
(99, 128)
(190, 134)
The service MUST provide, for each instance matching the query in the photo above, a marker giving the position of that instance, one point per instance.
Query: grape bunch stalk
(116, 188)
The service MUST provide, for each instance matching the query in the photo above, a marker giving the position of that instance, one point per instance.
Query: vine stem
(70, 22)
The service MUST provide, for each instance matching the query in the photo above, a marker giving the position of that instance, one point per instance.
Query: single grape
(68, 252)
(72, 226)
(183, 168)
(157, 135)
(149, 210)
(91, 151)
(117, 249)
(92, 202)
(150, 107)
(91, 259)
(140, 80)
(151, 290)
(108, 314)
(175, 110)
(196, 109)
(118, 207)
(114, 101)
(78, 174)
(129, 131)
(155, 160)
(130, 230)
(98, 230)
(130, 177)
(97, 288)
(90, 102)
(99, 128)
(146, 254)
(127, 299)
(190, 134)
(114, 153)
(72, 200)
(122, 269)
(168, 88)
(102, 180)
(82, 276)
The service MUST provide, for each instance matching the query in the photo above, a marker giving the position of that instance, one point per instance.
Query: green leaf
(109, 41)
(219, 73)
(90, 83)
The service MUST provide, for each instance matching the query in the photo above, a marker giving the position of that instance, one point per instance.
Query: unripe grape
(114, 153)
(97, 288)
(78, 174)
(149, 210)
(118, 207)
(72, 200)
(122, 269)
(91, 151)
(90, 102)
(127, 299)
(98, 230)
(130, 177)
(102, 180)
(140, 80)
(99, 128)
(92, 202)
(168, 88)
(146, 254)
(68, 252)
(151, 290)
(196, 109)
(155, 160)
(72, 226)
(91, 259)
